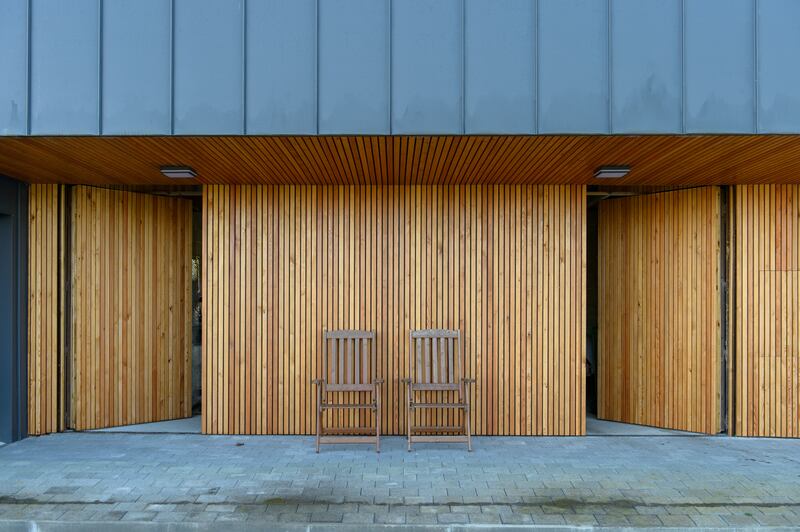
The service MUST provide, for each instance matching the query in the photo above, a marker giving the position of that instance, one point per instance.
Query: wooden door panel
(659, 343)
(130, 308)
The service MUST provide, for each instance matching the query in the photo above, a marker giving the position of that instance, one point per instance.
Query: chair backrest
(348, 359)
(435, 356)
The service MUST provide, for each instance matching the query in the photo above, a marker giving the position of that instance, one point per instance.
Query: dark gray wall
(190, 67)
(13, 309)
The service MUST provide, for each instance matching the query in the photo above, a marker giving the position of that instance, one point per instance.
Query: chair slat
(357, 361)
(335, 362)
(450, 359)
(435, 359)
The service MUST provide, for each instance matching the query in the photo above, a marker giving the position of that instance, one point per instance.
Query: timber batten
(766, 265)
(46, 326)
(505, 264)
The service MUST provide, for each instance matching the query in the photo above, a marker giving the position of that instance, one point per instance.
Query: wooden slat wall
(504, 264)
(659, 310)
(45, 309)
(766, 299)
(131, 308)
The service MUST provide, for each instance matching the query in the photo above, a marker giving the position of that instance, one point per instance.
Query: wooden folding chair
(435, 372)
(349, 364)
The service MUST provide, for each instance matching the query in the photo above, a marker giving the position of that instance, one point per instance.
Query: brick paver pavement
(660, 481)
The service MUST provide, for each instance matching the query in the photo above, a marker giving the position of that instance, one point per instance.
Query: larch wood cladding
(130, 308)
(766, 309)
(503, 264)
(659, 332)
(655, 160)
(45, 309)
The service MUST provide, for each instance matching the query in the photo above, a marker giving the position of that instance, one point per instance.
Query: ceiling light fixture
(178, 172)
(611, 172)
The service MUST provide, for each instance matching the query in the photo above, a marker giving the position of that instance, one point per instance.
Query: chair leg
(469, 432)
(319, 418)
(409, 416)
(378, 424)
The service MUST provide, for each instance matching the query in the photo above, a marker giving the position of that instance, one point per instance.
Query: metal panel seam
(538, 50)
(608, 67)
(463, 67)
(390, 52)
(244, 67)
(683, 66)
(756, 5)
(316, 59)
(30, 63)
(172, 68)
(100, 67)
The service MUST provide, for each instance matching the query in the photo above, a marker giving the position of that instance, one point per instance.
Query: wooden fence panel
(659, 356)
(504, 264)
(45, 309)
(766, 310)
(131, 308)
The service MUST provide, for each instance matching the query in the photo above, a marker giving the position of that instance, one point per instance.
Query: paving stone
(138, 516)
(358, 517)
(615, 481)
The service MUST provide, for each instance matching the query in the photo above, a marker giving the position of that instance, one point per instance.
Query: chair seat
(348, 405)
(438, 405)
(424, 387)
(349, 387)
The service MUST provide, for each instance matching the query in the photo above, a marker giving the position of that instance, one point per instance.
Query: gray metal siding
(778, 66)
(500, 67)
(14, 67)
(136, 73)
(65, 67)
(281, 67)
(720, 66)
(354, 66)
(158, 67)
(646, 73)
(427, 66)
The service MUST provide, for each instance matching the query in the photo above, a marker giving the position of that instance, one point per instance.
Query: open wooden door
(660, 310)
(130, 308)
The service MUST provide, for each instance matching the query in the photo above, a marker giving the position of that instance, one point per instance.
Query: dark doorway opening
(7, 387)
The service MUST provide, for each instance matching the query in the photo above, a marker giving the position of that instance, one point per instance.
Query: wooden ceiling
(656, 160)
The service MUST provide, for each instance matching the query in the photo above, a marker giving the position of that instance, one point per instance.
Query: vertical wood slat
(659, 336)
(766, 310)
(130, 308)
(394, 259)
(46, 323)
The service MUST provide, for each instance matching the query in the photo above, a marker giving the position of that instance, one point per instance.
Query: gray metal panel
(500, 59)
(65, 67)
(779, 66)
(14, 67)
(209, 59)
(282, 67)
(719, 66)
(646, 71)
(354, 44)
(137, 49)
(427, 65)
(573, 66)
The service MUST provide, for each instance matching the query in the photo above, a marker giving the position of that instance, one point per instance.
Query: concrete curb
(149, 526)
